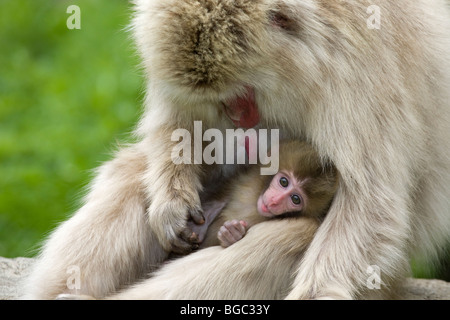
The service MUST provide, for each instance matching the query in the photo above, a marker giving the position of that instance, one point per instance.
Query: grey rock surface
(13, 271)
(425, 289)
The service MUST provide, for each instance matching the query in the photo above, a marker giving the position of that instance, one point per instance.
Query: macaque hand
(231, 232)
(169, 220)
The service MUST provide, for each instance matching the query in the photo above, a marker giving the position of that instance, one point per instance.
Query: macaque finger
(230, 232)
(181, 247)
(225, 237)
(185, 243)
(189, 240)
(244, 224)
(190, 237)
(196, 215)
(193, 238)
(224, 242)
(236, 229)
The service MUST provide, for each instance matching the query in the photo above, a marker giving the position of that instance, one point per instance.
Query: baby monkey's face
(284, 194)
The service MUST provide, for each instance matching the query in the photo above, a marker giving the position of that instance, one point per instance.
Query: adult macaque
(374, 102)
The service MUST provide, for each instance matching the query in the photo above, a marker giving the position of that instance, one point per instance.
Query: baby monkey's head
(303, 184)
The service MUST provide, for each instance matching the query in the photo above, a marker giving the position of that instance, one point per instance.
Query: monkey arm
(377, 230)
(260, 266)
(173, 190)
(234, 211)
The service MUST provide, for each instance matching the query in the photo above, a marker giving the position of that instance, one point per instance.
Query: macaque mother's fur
(374, 102)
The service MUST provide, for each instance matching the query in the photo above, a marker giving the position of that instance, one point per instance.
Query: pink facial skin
(283, 195)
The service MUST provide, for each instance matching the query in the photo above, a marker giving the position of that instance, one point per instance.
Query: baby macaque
(302, 186)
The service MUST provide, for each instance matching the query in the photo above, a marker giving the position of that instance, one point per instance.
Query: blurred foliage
(65, 97)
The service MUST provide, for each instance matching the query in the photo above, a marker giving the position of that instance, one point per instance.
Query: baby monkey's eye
(284, 182)
(296, 199)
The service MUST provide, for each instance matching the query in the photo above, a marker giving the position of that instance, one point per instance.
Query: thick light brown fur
(260, 276)
(252, 274)
(376, 102)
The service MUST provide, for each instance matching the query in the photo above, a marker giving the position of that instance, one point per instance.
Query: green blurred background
(66, 97)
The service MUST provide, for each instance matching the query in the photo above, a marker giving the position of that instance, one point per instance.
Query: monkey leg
(174, 189)
(107, 243)
(260, 266)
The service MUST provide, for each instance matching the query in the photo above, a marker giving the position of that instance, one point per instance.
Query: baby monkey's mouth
(243, 110)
